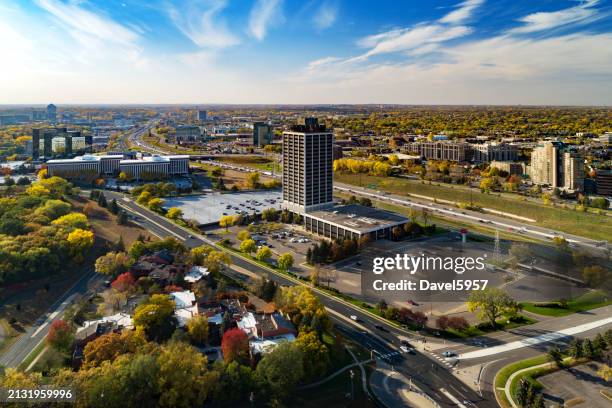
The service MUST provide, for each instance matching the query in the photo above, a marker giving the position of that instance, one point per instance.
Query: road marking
(544, 338)
(452, 398)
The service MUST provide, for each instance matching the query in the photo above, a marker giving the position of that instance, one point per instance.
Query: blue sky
(311, 51)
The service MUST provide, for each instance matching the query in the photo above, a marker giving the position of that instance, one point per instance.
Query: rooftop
(359, 218)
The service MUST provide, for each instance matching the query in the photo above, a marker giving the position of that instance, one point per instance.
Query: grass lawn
(588, 301)
(484, 328)
(504, 374)
(590, 225)
(258, 162)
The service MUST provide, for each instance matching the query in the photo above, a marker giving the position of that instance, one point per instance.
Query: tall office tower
(307, 167)
(202, 115)
(554, 164)
(51, 113)
(262, 134)
(89, 143)
(35, 144)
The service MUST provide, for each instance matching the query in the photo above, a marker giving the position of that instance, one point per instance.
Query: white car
(355, 318)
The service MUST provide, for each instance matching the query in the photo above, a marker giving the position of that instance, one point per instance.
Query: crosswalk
(443, 360)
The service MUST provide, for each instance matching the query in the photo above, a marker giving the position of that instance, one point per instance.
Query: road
(442, 210)
(372, 332)
(34, 335)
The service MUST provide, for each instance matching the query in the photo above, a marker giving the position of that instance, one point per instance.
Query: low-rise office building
(145, 168)
(353, 222)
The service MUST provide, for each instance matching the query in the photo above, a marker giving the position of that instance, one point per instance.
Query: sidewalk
(393, 389)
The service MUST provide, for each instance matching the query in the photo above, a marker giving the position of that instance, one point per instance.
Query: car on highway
(449, 354)
(408, 350)
(355, 318)
(379, 327)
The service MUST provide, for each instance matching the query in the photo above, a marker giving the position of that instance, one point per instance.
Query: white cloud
(263, 14)
(200, 21)
(462, 13)
(540, 21)
(326, 15)
(411, 38)
(87, 23)
(572, 69)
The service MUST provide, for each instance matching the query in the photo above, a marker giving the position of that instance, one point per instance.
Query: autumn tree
(111, 345)
(316, 354)
(197, 327)
(113, 263)
(174, 213)
(248, 246)
(282, 369)
(155, 317)
(263, 254)
(285, 262)
(60, 336)
(235, 346)
(124, 282)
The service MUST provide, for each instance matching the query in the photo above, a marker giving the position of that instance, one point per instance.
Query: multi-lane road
(428, 373)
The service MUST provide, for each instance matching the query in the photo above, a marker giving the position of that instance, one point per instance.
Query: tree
(458, 323)
(110, 346)
(561, 243)
(113, 206)
(282, 369)
(243, 235)
(197, 327)
(605, 372)
(102, 200)
(575, 348)
(113, 263)
(122, 217)
(123, 177)
(316, 354)
(595, 275)
(155, 204)
(247, 246)
(285, 262)
(315, 275)
(235, 346)
(587, 348)
(124, 282)
(216, 260)
(263, 254)
(155, 317)
(80, 241)
(198, 255)
(491, 304)
(72, 221)
(183, 379)
(60, 336)
(554, 355)
(599, 343)
(252, 180)
(174, 213)
(144, 198)
(518, 253)
(226, 221)
(442, 322)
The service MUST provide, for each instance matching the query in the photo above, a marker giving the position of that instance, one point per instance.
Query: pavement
(394, 389)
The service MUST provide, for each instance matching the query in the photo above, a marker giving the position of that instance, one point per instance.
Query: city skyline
(286, 52)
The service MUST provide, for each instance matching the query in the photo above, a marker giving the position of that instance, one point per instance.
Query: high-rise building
(51, 113)
(64, 138)
(556, 165)
(604, 182)
(307, 167)
(262, 134)
(202, 115)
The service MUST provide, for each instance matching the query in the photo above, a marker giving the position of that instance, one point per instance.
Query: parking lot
(209, 208)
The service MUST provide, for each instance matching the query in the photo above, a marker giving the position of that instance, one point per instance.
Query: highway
(374, 333)
(499, 221)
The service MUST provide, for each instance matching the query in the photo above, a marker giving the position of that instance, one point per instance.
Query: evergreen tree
(120, 245)
(600, 343)
(122, 218)
(587, 348)
(575, 348)
(102, 200)
(114, 207)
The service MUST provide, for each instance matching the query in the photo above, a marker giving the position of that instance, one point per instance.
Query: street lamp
(352, 387)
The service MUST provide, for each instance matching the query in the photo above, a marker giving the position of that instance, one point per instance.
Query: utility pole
(497, 249)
